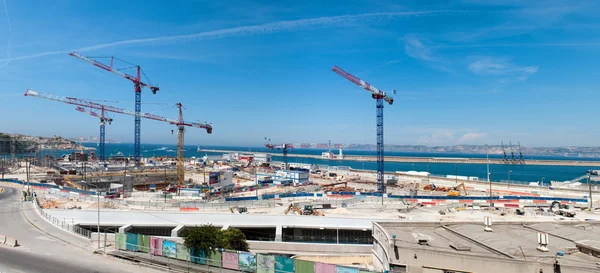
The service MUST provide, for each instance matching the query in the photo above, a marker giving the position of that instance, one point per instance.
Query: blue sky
(466, 72)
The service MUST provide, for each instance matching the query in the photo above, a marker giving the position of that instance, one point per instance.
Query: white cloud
(445, 136)
(415, 48)
(250, 30)
(500, 67)
(437, 138)
(470, 137)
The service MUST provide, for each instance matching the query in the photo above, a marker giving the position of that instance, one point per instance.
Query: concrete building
(466, 247)
(262, 158)
(297, 177)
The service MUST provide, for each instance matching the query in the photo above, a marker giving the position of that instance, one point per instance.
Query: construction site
(317, 208)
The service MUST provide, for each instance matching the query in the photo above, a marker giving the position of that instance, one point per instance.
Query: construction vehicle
(562, 209)
(293, 207)
(456, 191)
(240, 210)
(308, 210)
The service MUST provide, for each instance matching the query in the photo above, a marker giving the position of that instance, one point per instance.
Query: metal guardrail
(61, 223)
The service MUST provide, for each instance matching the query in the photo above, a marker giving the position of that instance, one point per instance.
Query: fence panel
(265, 263)
(247, 262)
(284, 264)
(230, 260)
(169, 249)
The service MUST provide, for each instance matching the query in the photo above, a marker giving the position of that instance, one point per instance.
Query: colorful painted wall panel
(284, 264)
(183, 253)
(170, 249)
(230, 260)
(132, 242)
(247, 262)
(345, 269)
(301, 266)
(265, 263)
(197, 256)
(324, 268)
(156, 246)
(121, 241)
(215, 259)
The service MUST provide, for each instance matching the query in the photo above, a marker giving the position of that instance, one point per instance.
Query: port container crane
(521, 160)
(505, 159)
(379, 97)
(103, 120)
(512, 153)
(180, 123)
(137, 88)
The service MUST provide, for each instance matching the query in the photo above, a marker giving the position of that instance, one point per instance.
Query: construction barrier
(231, 259)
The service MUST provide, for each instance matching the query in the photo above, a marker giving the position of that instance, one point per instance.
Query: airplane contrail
(248, 30)
(8, 57)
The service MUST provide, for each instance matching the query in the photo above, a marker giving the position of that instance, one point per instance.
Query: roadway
(40, 250)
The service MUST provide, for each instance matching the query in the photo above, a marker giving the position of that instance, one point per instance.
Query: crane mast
(284, 149)
(180, 123)
(137, 86)
(379, 97)
(103, 119)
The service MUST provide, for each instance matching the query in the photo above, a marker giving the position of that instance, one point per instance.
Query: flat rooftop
(512, 240)
(146, 218)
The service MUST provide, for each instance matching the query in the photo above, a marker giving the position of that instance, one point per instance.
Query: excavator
(240, 210)
(456, 191)
(308, 210)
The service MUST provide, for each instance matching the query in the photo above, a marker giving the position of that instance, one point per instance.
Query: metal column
(380, 169)
(136, 133)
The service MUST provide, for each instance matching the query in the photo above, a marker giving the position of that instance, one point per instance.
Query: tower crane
(180, 123)
(137, 87)
(379, 97)
(103, 119)
(284, 148)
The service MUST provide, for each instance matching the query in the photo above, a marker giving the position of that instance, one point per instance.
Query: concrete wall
(304, 248)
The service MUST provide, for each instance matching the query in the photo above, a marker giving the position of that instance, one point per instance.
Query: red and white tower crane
(285, 147)
(137, 88)
(103, 120)
(180, 123)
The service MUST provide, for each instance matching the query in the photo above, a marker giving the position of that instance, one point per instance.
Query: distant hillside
(91, 139)
(491, 149)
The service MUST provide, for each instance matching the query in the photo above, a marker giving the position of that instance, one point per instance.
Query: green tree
(205, 238)
(234, 239)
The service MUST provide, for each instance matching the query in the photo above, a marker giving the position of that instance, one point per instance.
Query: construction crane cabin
(103, 119)
(379, 97)
(137, 88)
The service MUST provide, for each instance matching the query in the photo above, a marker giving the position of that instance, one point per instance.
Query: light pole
(543, 181)
(491, 202)
(509, 171)
(456, 176)
(428, 174)
(487, 157)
